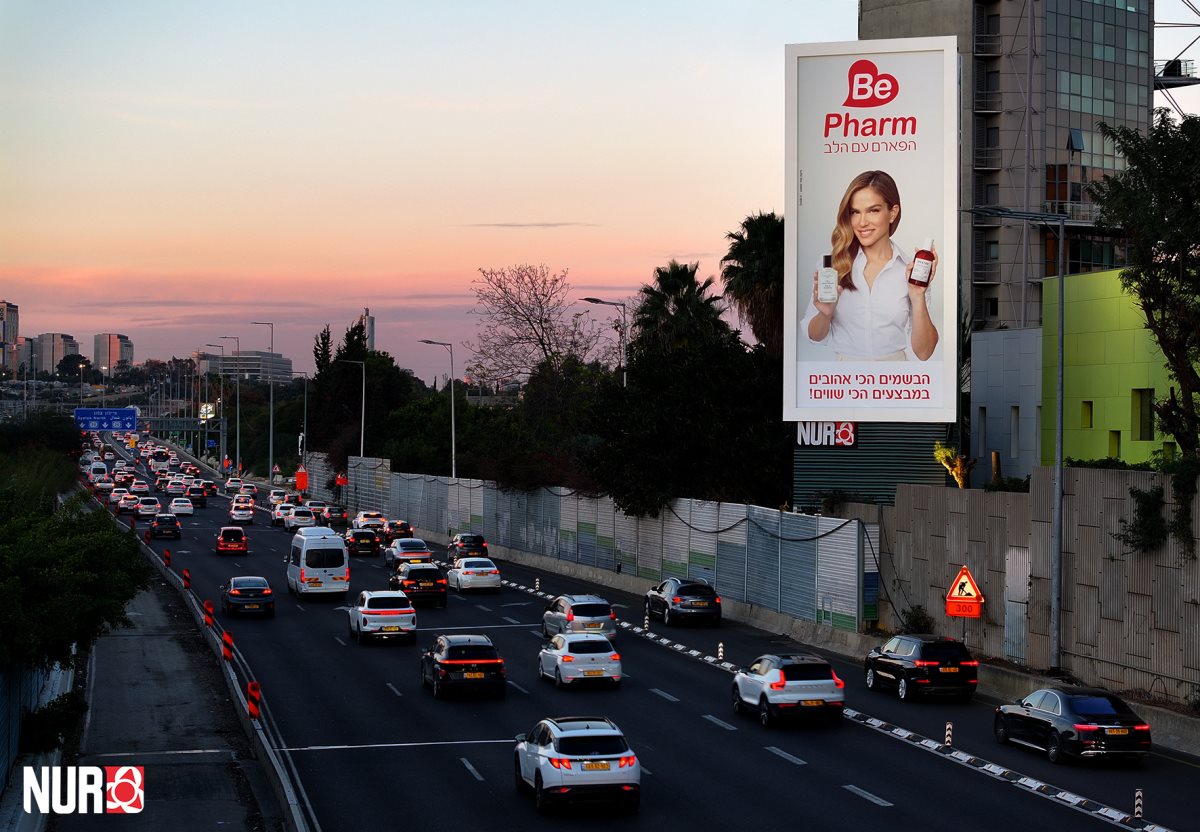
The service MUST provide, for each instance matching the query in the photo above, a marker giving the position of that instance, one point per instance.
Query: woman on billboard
(869, 305)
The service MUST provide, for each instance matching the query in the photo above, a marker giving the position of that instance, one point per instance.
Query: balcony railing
(1177, 68)
(1079, 211)
(988, 158)
(985, 272)
(988, 45)
(988, 101)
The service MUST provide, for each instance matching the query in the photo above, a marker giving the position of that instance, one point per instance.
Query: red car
(232, 540)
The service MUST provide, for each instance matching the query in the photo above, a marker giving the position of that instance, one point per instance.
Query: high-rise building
(112, 350)
(52, 348)
(10, 331)
(25, 356)
(1037, 79)
(252, 365)
(368, 322)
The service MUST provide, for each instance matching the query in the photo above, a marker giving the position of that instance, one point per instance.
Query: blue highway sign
(106, 418)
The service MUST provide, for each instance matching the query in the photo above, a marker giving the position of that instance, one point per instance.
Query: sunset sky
(175, 170)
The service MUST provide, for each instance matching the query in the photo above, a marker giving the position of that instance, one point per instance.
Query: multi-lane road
(370, 745)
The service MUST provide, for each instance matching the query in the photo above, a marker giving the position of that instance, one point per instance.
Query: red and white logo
(868, 87)
(125, 790)
(68, 790)
(825, 434)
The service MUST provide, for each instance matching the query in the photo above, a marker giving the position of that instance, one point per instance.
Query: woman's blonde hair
(845, 244)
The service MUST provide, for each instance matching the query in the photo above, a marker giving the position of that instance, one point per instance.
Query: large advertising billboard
(871, 280)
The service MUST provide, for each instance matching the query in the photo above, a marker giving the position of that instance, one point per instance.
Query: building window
(1085, 415)
(1142, 418)
(981, 432)
(1014, 432)
(1114, 444)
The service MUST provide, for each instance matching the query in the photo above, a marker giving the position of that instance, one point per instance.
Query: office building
(368, 323)
(25, 355)
(10, 331)
(112, 351)
(52, 348)
(252, 365)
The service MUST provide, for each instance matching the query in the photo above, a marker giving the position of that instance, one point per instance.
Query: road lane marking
(865, 795)
(471, 769)
(518, 687)
(339, 641)
(510, 620)
(664, 695)
(722, 723)
(472, 627)
(300, 608)
(365, 746)
(482, 607)
(393, 689)
(180, 752)
(518, 604)
(779, 752)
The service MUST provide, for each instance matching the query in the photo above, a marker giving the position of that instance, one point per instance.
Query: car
(196, 494)
(109, 456)
(104, 485)
(210, 488)
(362, 542)
(187, 480)
(368, 518)
(474, 573)
(318, 562)
(318, 510)
(337, 516)
(577, 758)
(128, 504)
(123, 479)
(180, 506)
(140, 488)
(232, 540)
(249, 489)
(382, 614)
(176, 488)
(571, 658)
(466, 545)
(463, 662)
(579, 614)
(161, 482)
(247, 593)
(1069, 721)
(779, 686)
(293, 499)
(232, 485)
(676, 600)
(922, 664)
(166, 525)
(396, 529)
(241, 514)
(280, 513)
(420, 582)
(298, 517)
(407, 550)
(275, 496)
(148, 507)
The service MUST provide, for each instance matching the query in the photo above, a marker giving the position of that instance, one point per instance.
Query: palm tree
(753, 275)
(677, 310)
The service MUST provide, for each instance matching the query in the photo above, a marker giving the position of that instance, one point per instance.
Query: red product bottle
(922, 264)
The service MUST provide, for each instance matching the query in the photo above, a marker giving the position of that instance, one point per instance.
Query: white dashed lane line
(339, 641)
(471, 769)
(510, 620)
(518, 687)
(719, 722)
(482, 607)
(392, 688)
(865, 795)
(663, 694)
(779, 752)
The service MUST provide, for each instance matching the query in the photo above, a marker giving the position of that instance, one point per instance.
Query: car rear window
(697, 590)
(363, 535)
(411, 544)
(167, 520)
(325, 558)
(584, 646)
(430, 573)
(589, 744)
(1099, 706)
(233, 535)
(476, 563)
(945, 651)
(806, 672)
(472, 539)
(387, 602)
(472, 651)
(592, 610)
(301, 512)
(250, 582)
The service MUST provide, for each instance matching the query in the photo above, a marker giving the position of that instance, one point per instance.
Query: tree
(752, 271)
(526, 319)
(72, 366)
(677, 310)
(957, 465)
(323, 350)
(1152, 204)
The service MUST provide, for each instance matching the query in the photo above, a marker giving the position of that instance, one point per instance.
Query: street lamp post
(304, 422)
(237, 342)
(271, 406)
(81, 366)
(362, 429)
(221, 398)
(624, 369)
(453, 431)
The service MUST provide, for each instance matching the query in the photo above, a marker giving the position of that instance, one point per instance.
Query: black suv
(681, 599)
(165, 525)
(923, 664)
(337, 516)
(420, 582)
(362, 542)
(463, 662)
(466, 546)
(396, 529)
(197, 495)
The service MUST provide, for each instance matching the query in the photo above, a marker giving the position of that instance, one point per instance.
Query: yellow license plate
(252, 606)
(314, 582)
(593, 626)
(1116, 732)
(699, 603)
(470, 675)
(596, 765)
(391, 629)
(812, 703)
(593, 673)
(948, 669)
(426, 584)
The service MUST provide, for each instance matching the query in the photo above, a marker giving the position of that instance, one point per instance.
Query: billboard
(871, 276)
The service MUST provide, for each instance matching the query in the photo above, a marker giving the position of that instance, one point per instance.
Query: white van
(318, 563)
(96, 471)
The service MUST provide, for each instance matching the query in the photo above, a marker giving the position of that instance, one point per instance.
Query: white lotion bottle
(827, 281)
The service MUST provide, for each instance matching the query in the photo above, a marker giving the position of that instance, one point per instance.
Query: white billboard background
(924, 164)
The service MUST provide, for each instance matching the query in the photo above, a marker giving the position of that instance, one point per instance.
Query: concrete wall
(1006, 373)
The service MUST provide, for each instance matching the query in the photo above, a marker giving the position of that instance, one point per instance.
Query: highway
(370, 744)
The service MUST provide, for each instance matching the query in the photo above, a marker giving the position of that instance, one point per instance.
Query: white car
(181, 505)
(579, 657)
(232, 485)
(139, 487)
(474, 573)
(116, 494)
(587, 753)
(368, 519)
(241, 514)
(104, 484)
(778, 686)
(275, 497)
(299, 517)
(176, 488)
(383, 614)
(280, 513)
(148, 507)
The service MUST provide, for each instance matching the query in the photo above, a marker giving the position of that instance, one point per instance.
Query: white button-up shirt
(873, 323)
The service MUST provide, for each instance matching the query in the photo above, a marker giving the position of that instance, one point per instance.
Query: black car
(676, 600)
(166, 525)
(1075, 721)
(466, 546)
(420, 582)
(362, 542)
(337, 516)
(396, 529)
(196, 494)
(245, 593)
(923, 664)
(463, 662)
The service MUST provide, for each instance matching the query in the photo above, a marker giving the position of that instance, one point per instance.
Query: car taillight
(494, 572)
(347, 574)
(1082, 728)
(484, 545)
(780, 685)
(267, 591)
(568, 658)
(441, 580)
(971, 663)
(560, 762)
(616, 657)
(235, 592)
(836, 680)
(923, 663)
(408, 582)
(1142, 727)
(676, 600)
(627, 761)
(570, 615)
(468, 572)
(612, 614)
(717, 600)
(301, 576)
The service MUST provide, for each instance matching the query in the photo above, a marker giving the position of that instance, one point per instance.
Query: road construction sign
(964, 598)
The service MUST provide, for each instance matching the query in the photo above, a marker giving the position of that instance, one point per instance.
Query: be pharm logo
(868, 86)
(85, 790)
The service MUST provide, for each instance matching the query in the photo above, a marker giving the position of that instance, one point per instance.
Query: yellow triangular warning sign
(964, 588)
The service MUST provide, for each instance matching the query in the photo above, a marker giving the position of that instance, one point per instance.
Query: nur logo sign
(86, 790)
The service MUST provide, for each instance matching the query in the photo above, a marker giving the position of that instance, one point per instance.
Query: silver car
(579, 614)
(583, 657)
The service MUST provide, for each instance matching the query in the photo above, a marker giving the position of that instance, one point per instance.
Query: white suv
(368, 519)
(383, 614)
(579, 614)
(298, 517)
(577, 757)
(797, 685)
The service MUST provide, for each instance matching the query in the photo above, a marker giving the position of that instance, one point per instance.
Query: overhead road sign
(106, 418)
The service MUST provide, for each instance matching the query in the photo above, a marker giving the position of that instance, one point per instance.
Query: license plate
(476, 675)
(596, 765)
(812, 703)
(593, 673)
(391, 629)
(426, 584)
(948, 669)
(314, 582)
(1116, 732)
(252, 606)
(593, 626)
(699, 603)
